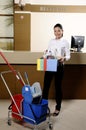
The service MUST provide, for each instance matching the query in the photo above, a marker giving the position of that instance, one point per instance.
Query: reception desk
(74, 81)
(25, 57)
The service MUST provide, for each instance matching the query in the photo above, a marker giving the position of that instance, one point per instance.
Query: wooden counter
(74, 81)
(25, 57)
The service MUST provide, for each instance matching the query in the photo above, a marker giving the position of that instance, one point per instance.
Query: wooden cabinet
(73, 87)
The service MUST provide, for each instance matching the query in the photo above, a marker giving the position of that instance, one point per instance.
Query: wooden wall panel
(22, 31)
(52, 8)
(74, 83)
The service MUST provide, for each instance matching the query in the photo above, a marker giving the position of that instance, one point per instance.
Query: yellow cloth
(40, 64)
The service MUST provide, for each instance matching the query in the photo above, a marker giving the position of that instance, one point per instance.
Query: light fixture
(22, 4)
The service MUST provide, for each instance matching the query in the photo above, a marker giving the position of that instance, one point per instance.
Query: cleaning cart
(28, 107)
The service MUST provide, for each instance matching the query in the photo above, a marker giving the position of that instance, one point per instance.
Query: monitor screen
(77, 42)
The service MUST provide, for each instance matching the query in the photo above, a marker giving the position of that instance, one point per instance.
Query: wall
(52, 2)
(22, 31)
(42, 28)
(42, 22)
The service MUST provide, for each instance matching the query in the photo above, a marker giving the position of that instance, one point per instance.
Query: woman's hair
(58, 25)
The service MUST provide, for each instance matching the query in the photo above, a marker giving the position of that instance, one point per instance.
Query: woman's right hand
(61, 59)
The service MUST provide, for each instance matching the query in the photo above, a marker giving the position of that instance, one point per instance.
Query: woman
(58, 48)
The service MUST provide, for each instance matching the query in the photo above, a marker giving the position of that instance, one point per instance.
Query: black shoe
(56, 113)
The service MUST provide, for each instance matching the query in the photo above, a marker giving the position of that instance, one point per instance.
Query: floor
(71, 117)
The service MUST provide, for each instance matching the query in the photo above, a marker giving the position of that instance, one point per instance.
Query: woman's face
(58, 32)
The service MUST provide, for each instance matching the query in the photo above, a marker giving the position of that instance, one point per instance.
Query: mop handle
(26, 76)
(11, 68)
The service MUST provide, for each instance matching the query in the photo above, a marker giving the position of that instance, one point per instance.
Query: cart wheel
(9, 122)
(50, 126)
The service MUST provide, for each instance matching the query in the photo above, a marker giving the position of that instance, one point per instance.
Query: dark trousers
(58, 76)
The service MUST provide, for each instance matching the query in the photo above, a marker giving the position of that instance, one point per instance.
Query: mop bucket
(37, 112)
(18, 100)
(32, 94)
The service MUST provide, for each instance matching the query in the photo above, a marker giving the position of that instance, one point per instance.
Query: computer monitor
(77, 42)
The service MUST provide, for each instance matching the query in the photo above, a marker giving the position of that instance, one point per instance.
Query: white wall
(42, 27)
(53, 2)
(61, 2)
(42, 23)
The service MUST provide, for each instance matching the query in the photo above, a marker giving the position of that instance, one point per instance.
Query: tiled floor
(71, 117)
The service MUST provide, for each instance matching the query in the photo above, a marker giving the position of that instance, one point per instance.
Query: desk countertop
(26, 57)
